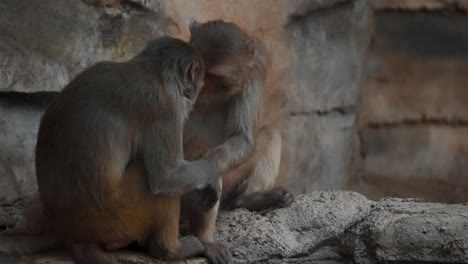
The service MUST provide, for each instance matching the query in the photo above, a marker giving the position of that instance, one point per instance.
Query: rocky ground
(322, 227)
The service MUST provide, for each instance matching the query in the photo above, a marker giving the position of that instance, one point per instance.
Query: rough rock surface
(326, 75)
(413, 117)
(45, 43)
(317, 50)
(19, 122)
(419, 4)
(334, 227)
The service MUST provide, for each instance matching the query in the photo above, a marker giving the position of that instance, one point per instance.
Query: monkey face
(229, 55)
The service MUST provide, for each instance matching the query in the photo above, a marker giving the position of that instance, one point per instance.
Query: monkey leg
(164, 242)
(195, 221)
(255, 192)
(202, 224)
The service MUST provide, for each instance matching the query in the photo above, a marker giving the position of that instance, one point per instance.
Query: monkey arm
(167, 172)
(243, 114)
(184, 176)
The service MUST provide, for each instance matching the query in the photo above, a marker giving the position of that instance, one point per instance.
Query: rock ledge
(326, 227)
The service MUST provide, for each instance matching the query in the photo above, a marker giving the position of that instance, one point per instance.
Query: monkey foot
(281, 197)
(117, 245)
(266, 201)
(217, 253)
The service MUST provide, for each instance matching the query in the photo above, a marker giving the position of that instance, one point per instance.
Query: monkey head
(229, 54)
(182, 67)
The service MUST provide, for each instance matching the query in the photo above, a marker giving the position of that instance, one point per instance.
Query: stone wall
(413, 119)
(317, 49)
(419, 5)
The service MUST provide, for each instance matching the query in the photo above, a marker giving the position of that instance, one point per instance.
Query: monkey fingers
(217, 253)
(281, 197)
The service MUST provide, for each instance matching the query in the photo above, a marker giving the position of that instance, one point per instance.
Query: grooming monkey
(223, 127)
(109, 156)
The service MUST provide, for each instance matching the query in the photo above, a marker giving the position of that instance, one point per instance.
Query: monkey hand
(209, 190)
(210, 195)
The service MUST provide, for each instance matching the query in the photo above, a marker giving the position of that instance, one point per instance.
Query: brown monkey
(109, 155)
(223, 127)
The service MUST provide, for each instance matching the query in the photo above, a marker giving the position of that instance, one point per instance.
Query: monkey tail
(88, 253)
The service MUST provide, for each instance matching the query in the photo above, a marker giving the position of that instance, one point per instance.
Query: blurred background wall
(413, 110)
(369, 95)
(317, 53)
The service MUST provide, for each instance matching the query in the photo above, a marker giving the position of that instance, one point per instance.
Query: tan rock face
(414, 113)
(419, 4)
(316, 56)
(18, 130)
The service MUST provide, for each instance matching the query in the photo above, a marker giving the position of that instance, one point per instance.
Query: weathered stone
(19, 122)
(418, 69)
(324, 83)
(419, 4)
(417, 161)
(333, 227)
(327, 44)
(44, 43)
(317, 53)
(319, 147)
(413, 118)
(408, 231)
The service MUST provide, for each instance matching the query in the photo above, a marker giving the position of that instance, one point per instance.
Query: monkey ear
(248, 51)
(193, 71)
(193, 25)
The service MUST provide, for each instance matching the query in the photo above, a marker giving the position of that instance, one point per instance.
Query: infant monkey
(109, 157)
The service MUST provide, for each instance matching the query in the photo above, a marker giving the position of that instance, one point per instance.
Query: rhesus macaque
(223, 127)
(109, 155)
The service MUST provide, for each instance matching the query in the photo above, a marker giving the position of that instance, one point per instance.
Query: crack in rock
(342, 110)
(423, 121)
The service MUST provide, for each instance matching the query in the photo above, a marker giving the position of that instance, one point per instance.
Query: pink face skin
(209, 81)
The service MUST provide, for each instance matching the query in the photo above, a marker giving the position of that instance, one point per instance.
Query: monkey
(109, 156)
(223, 127)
